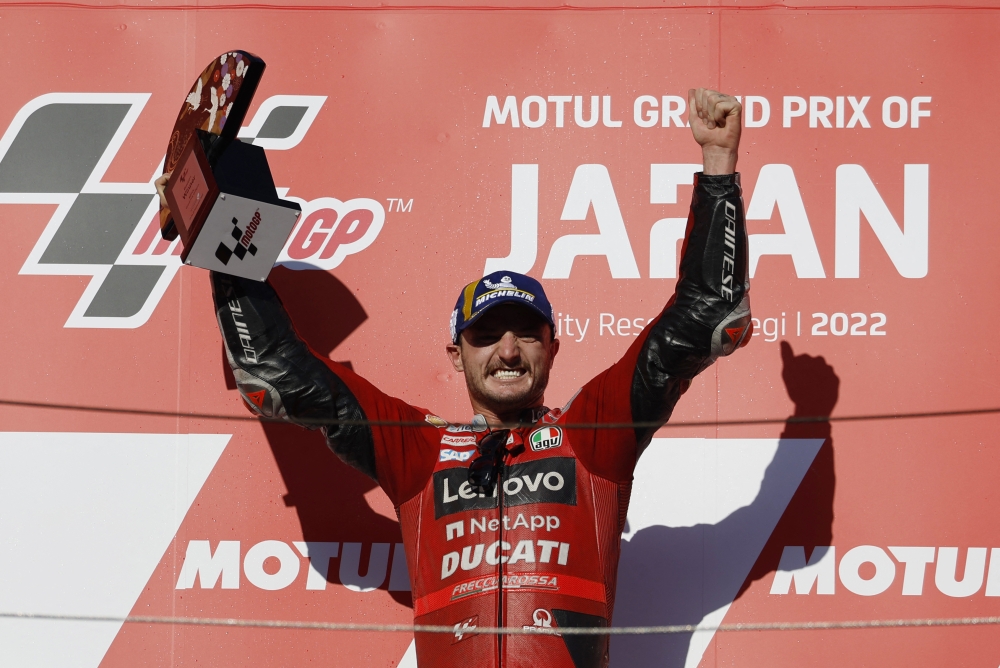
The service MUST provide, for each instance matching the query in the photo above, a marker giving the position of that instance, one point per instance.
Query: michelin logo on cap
(505, 288)
(496, 288)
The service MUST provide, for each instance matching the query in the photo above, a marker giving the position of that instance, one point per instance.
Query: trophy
(221, 197)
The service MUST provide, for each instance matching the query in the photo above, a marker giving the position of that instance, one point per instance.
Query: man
(515, 520)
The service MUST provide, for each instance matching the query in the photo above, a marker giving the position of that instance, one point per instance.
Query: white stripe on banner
(701, 512)
(85, 520)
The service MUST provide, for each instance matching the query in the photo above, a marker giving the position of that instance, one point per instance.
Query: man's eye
(487, 338)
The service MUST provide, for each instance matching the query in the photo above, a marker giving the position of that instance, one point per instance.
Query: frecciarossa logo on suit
(549, 480)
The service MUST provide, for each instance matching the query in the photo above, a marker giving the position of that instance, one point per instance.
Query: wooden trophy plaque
(221, 198)
(217, 103)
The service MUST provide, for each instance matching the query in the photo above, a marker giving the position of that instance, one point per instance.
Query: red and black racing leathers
(542, 551)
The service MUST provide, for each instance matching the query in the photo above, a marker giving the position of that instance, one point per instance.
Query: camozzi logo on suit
(57, 150)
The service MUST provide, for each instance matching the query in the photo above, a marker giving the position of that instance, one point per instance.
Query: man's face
(506, 356)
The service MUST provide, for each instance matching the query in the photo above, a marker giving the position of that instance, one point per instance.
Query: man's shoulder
(555, 415)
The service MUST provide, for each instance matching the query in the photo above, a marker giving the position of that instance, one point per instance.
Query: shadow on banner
(688, 566)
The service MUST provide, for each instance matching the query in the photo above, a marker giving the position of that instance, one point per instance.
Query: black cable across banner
(794, 419)
(517, 630)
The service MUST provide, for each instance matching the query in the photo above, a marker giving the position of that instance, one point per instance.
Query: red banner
(427, 146)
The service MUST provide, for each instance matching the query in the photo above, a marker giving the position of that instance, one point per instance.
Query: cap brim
(500, 301)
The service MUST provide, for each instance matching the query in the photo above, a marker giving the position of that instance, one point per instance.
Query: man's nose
(508, 350)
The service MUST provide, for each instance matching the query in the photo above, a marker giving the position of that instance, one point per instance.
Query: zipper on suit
(500, 563)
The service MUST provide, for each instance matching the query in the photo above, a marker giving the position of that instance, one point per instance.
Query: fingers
(724, 108)
(712, 107)
(705, 106)
(698, 106)
(161, 188)
(786, 353)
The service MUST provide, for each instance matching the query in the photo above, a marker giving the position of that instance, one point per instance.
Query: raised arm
(279, 376)
(709, 314)
(707, 317)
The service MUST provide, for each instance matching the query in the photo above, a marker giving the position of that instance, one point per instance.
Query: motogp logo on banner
(329, 230)
(57, 150)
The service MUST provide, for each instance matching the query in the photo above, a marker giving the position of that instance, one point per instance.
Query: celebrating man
(515, 520)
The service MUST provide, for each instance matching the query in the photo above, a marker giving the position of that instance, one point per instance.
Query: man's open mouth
(507, 374)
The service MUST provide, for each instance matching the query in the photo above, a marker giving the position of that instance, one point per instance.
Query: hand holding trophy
(216, 192)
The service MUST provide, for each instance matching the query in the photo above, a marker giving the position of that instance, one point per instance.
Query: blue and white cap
(500, 287)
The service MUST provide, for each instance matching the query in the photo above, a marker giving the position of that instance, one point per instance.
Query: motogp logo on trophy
(243, 243)
(57, 150)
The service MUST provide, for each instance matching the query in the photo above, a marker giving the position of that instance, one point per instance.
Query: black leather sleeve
(709, 314)
(279, 376)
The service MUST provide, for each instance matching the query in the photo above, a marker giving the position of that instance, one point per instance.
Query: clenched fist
(716, 121)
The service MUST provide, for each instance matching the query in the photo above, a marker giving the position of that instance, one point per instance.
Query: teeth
(504, 374)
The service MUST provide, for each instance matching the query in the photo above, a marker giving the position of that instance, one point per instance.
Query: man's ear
(455, 356)
(555, 349)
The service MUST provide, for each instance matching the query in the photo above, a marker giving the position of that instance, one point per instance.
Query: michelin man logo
(57, 150)
(506, 283)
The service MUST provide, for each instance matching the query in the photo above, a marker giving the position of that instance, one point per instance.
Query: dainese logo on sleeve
(545, 438)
